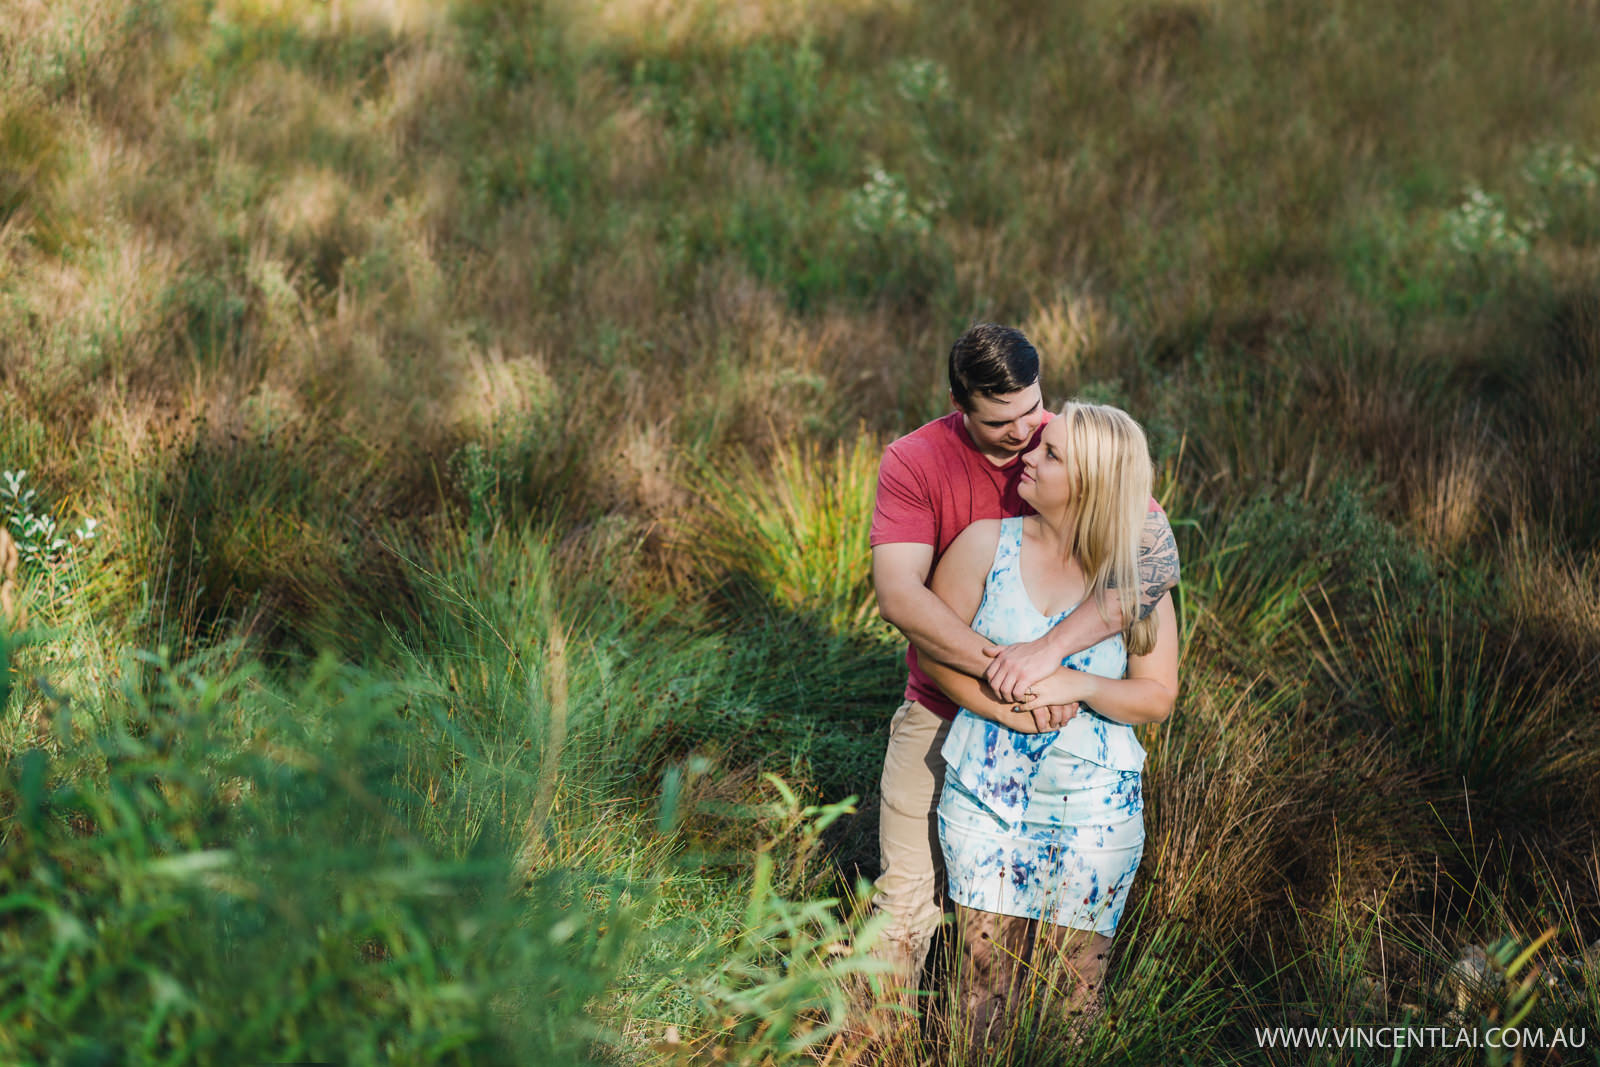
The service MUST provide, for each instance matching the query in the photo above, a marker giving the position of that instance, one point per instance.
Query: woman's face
(1046, 483)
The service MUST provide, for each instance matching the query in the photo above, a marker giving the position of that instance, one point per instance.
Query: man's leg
(908, 841)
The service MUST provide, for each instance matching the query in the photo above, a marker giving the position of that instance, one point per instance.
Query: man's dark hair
(989, 360)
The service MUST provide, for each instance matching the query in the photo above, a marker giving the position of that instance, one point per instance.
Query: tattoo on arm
(1158, 566)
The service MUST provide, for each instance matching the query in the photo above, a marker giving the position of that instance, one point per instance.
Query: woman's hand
(1064, 686)
(1043, 719)
(1022, 722)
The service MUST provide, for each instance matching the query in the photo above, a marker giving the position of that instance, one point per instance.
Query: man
(932, 484)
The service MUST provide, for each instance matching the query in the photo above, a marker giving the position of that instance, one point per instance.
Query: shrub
(42, 545)
(778, 103)
(1564, 187)
(219, 876)
(1264, 561)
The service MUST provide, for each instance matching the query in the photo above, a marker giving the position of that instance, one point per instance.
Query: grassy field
(441, 439)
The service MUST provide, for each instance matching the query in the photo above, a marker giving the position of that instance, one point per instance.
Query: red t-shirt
(934, 483)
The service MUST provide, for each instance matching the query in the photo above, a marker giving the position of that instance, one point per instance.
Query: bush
(796, 532)
(220, 876)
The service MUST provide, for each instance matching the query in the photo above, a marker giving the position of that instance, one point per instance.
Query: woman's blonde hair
(1109, 462)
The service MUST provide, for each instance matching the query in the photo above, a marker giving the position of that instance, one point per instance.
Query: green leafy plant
(221, 875)
(1564, 181)
(43, 546)
(1510, 971)
(1481, 229)
(780, 987)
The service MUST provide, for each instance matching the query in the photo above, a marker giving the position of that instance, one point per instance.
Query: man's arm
(1148, 691)
(899, 577)
(1017, 668)
(958, 582)
(904, 528)
(1158, 560)
(979, 699)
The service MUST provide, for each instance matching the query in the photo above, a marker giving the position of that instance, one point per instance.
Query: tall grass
(795, 529)
(1461, 705)
(218, 875)
(532, 360)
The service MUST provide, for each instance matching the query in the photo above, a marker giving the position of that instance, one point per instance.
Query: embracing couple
(1023, 556)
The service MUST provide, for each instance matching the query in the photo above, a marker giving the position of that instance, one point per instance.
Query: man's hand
(1015, 669)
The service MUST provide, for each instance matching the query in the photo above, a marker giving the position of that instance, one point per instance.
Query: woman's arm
(979, 699)
(958, 580)
(1146, 694)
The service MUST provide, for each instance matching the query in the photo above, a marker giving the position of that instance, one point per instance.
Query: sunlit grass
(535, 358)
(795, 529)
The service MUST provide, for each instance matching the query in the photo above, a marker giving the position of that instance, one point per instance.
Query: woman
(1042, 832)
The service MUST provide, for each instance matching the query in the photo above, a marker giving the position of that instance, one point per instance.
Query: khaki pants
(910, 888)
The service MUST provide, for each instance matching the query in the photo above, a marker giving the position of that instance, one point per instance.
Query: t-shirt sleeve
(904, 509)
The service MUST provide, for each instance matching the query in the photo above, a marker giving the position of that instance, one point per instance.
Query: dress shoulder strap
(1008, 547)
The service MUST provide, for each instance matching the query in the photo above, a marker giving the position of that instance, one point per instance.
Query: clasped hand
(1015, 670)
(1048, 707)
(1043, 694)
(1037, 719)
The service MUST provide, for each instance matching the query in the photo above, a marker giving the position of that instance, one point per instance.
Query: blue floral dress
(1044, 826)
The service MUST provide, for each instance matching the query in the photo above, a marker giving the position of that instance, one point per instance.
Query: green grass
(481, 403)
(219, 877)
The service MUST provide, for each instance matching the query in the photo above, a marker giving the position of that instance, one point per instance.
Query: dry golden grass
(401, 17)
(1552, 586)
(282, 262)
(1072, 327)
(293, 164)
(673, 24)
(1214, 833)
(1457, 481)
(1232, 806)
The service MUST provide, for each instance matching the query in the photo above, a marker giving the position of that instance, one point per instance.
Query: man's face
(1001, 426)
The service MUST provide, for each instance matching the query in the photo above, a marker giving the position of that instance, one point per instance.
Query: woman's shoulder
(982, 533)
(973, 548)
(962, 568)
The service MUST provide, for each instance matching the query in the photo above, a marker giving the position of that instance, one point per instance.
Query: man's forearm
(1089, 624)
(936, 632)
(1086, 625)
(1020, 666)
